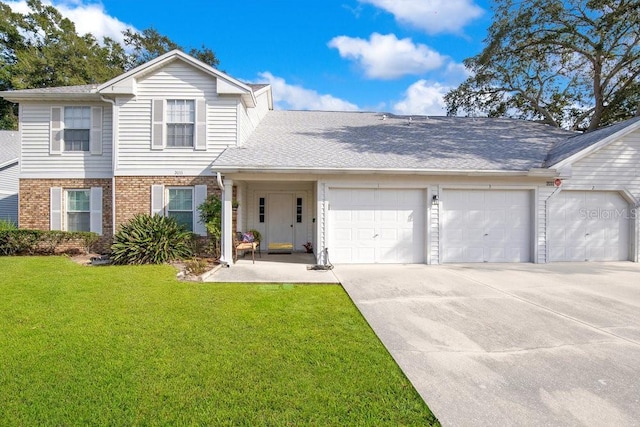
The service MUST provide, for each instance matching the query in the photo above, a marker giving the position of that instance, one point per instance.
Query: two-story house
(360, 187)
(94, 156)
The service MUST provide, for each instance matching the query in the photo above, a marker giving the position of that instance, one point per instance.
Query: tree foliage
(568, 63)
(43, 49)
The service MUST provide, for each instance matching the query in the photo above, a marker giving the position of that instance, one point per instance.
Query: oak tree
(567, 63)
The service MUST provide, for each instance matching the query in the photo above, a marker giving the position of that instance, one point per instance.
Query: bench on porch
(240, 245)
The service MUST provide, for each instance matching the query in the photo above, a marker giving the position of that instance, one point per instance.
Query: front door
(280, 219)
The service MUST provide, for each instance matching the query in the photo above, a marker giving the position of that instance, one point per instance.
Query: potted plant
(308, 247)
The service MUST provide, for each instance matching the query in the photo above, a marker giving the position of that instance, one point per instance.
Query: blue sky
(396, 56)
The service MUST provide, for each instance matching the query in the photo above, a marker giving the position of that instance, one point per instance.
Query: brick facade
(35, 203)
(133, 193)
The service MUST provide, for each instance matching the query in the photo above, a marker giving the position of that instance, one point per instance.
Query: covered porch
(280, 210)
(273, 268)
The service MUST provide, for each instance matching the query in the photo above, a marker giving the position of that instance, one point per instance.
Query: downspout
(114, 144)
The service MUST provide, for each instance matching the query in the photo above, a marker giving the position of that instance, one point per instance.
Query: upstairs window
(180, 122)
(78, 210)
(77, 128)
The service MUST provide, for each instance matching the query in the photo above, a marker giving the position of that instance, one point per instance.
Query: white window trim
(58, 126)
(160, 203)
(159, 125)
(193, 200)
(193, 123)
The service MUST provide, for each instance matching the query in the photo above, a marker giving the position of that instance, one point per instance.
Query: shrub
(196, 266)
(6, 224)
(17, 242)
(211, 216)
(150, 240)
(29, 242)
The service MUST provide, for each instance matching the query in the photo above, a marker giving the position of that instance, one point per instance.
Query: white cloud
(423, 98)
(431, 16)
(387, 57)
(88, 18)
(292, 97)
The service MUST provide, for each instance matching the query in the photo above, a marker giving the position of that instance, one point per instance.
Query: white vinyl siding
(249, 118)
(139, 124)
(617, 164)
(434, 229)
(614, 167)
(37, 149)
(9, 193)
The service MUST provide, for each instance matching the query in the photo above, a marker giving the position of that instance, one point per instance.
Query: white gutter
(9, 163)
(17, 97)
(404, 171)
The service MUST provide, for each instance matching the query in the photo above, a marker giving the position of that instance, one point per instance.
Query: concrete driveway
(516, 344)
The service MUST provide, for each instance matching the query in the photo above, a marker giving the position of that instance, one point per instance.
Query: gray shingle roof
(60, 89)
(567, 148)
(356, 140)
(9, 146)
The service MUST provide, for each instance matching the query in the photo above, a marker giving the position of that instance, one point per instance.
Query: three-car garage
(400, 225)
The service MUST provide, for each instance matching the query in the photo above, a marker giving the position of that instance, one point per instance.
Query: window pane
(78, 200)
(179, 135)
(181, 199)
(77, 117)
(76, 140)
(180, 122)
(78, 221)
(185, 219)
(78, 215)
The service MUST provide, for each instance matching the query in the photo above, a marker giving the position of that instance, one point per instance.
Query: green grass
(133, 346)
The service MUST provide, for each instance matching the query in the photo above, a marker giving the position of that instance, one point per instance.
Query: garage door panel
(494, 224)
(588, 226)
(388, 225)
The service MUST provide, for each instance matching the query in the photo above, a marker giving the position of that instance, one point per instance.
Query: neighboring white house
(9, 157)
(360, 187)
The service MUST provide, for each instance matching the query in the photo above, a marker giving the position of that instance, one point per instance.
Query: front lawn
(131, 346)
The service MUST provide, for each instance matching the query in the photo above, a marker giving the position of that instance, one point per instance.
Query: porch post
(226, 255)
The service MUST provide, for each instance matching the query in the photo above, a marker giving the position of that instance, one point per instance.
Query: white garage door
(588, 226)
(376, 226)
(486, 226)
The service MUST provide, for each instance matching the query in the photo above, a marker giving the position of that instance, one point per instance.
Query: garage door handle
(486, 234)
(375, 235)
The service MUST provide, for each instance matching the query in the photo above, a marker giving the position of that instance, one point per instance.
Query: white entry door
(376, 226)
(486, 225)
(280, 218)
(588, 226)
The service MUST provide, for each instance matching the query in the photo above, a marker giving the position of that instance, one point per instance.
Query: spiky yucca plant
(149, 239)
